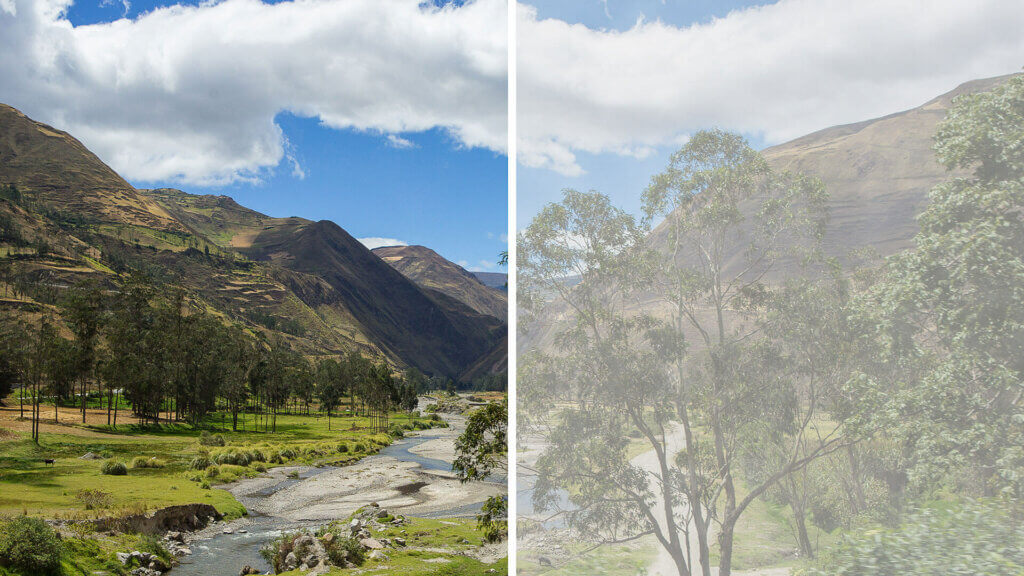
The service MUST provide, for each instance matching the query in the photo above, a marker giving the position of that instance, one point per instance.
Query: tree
(329, 386)
(481, 450)
(948, 316)
(700, 388)
(84, 313)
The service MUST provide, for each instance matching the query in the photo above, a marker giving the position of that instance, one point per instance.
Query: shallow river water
(225, 554)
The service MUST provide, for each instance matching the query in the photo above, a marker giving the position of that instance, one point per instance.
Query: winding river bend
(412, 477)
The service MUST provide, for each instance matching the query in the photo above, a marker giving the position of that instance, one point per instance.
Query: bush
(345, 549)
(114, 468)
(275, 458)
(360, 447)
(973, 538)
(207, 439)
(397, 432)
(212, 472)
(93, 498)
(143, 462)
(342, 448)
(29, 545)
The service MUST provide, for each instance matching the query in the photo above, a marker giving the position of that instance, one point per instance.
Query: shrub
(29, 545)
(342, 448)
(981, 539)
(260, 467)
(345, 549)
(143, 462)
(275, 458)
(212, 472)
(93, 498)
(397, 432)
(360, 447)
(288, 454)
(114, 468)
(207, 439)
(153, 545)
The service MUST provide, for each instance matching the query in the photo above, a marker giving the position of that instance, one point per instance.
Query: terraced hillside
(70, 217)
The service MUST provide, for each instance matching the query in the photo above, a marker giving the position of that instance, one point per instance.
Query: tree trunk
(799, 516)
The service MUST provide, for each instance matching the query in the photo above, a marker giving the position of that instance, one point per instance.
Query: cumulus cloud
(377, 242)
(776, 71)
(190, 93)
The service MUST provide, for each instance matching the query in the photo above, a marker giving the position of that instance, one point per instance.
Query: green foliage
(114, 468)
(29, 545)
(981, 539)
(493, 519)
(947, 319)
(483, 446)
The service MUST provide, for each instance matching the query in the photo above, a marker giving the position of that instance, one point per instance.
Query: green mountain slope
(309, 283)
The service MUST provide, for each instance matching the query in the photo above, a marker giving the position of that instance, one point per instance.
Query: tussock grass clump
(342, 448)
(207, 439)
(143, 462)
(114, 468)
(200, 462)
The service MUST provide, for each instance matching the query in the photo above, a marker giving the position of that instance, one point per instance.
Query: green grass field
(28, 486)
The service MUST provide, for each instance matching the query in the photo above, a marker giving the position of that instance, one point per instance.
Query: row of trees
(851, 396)
(168, 359)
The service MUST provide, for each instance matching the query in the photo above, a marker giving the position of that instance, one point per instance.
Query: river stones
(291, 561)
(247, 570)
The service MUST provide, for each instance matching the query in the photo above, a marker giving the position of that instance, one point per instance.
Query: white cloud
(777, 71)
(376, 242)
(190, 93)
(396, 141)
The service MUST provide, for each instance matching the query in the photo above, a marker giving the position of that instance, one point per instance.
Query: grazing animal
(544, 562)
(49, 461)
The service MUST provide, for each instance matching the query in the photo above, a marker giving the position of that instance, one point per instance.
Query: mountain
(878, 174)
(429, 269)
(65, 175)
(308, 283)
(497, 280)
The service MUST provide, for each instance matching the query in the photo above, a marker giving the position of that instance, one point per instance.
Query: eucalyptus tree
(136, 362)
(733, 231)
(329, 386)
(85, 313)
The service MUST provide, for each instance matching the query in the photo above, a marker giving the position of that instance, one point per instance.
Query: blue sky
(608, 89)
(428, 185)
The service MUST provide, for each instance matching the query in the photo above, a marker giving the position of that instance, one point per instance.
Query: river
(412, 476)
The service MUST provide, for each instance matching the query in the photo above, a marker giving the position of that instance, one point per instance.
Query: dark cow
(49, 461)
